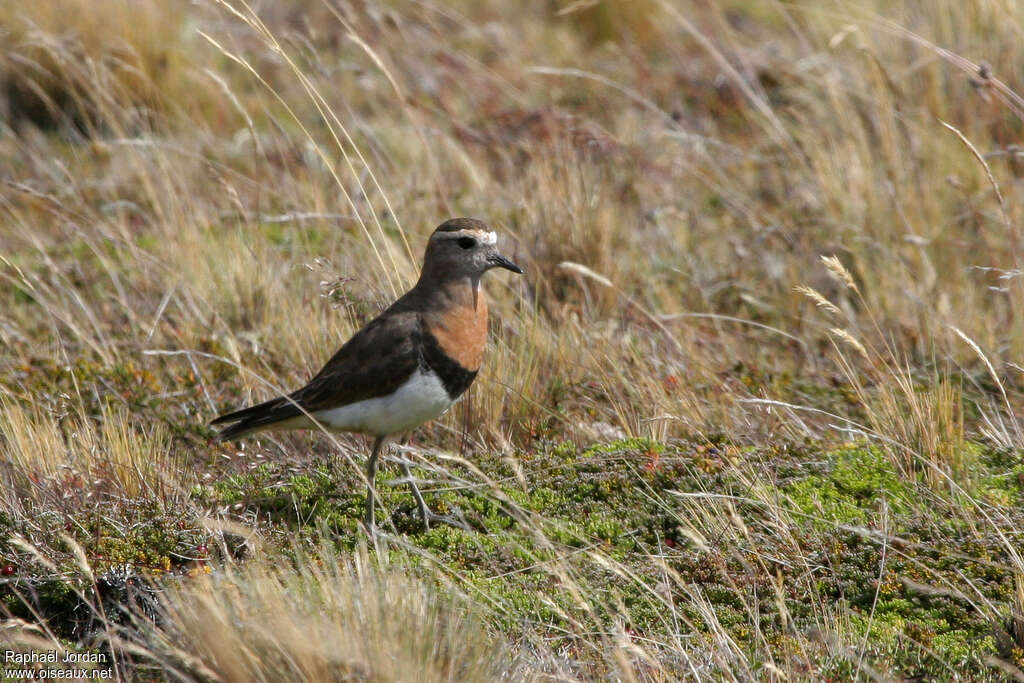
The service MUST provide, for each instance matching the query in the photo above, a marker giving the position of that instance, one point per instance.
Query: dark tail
(254, 418)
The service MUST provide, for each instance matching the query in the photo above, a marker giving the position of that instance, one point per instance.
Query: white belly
(420, 399)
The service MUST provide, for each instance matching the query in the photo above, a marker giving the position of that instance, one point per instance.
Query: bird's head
(464, 248)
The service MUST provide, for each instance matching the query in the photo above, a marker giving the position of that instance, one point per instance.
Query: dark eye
(467, 242)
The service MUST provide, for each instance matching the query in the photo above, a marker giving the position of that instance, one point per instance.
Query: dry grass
(331, 618)
(47, 460)
(200, 201)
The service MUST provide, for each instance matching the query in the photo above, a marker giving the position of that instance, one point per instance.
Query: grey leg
(425, 513)
(371, 475)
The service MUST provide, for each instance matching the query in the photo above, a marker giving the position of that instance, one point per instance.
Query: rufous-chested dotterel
(405, 367)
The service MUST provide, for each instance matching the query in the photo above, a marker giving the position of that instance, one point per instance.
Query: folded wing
(374, 362)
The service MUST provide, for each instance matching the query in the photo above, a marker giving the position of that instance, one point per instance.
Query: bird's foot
(457, 520)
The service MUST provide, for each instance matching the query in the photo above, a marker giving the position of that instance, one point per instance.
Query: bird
(405, 367)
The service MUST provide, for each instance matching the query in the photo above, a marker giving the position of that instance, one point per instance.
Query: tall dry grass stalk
(917, 418)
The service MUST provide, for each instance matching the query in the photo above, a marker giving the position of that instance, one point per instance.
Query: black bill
(499, 261)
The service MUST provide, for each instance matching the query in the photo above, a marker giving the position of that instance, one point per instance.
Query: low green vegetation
(603, 535)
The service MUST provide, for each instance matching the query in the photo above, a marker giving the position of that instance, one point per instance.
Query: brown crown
(456, 224)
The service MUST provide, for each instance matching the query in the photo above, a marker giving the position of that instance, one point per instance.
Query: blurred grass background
(200, 201)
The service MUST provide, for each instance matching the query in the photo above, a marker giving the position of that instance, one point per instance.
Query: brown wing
(374, 362)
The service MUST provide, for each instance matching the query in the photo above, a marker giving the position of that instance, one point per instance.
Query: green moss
(866, 473)
(855, 482)
(961, 647)
(822, 498)
(637, 444)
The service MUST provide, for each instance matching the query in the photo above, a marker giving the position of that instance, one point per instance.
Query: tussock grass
(325, 617)
(697, 450)
(73, 65)
(48, 462)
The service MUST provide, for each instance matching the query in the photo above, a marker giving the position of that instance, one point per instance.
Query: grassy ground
(753, 412)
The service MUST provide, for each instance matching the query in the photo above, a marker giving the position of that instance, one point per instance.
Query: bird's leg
(371, 475)
(426, 514)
